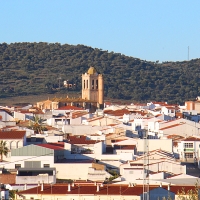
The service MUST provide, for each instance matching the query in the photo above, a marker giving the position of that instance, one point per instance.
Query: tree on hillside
(3, 150)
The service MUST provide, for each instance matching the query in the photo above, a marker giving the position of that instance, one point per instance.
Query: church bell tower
(92, 86)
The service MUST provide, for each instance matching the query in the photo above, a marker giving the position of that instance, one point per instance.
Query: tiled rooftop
(124, 147)
(54, 146)
(191, 139)
(12, 134)
(80, 140)
(172, 126)
(117, 112)
(109, 189)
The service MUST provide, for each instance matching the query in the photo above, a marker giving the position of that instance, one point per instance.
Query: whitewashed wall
(74, 171)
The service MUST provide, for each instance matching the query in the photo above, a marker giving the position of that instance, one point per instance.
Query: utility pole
(146, 166)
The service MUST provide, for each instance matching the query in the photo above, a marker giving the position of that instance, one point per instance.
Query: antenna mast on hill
(59, 81)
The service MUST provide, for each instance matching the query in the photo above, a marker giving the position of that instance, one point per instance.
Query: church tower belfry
(93, 86)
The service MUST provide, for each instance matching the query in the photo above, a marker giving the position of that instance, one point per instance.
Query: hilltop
(41, 68)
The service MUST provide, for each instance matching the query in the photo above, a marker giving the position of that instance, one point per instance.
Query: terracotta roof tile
(54, 146)
(172, 126)
(94, 119)
(12, 134)
(7, 178)
(117, 112)
(84, 189)
(80, 140)
(191, 139)
(125, 147)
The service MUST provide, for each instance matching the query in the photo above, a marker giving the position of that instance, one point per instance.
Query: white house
(188, 149)
(158, 161)
(6, 115)
(13, 139)
(168, 110)
(35, 163)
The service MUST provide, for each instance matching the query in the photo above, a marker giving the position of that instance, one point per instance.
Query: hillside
(35, 68)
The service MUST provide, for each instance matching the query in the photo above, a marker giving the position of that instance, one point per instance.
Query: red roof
(170, 107)
(109, 189)
(70, 108)
(54, 146)
(93, 119)
(172, 126)
(77, 114)
(8, 178)
(117, 112)
(12, 134)
(191, 139)
(124, 147)
(80, 140)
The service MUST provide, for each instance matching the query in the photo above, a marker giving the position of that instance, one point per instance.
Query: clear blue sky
(147, 29)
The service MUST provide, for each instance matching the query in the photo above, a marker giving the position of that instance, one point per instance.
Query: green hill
(35, 68)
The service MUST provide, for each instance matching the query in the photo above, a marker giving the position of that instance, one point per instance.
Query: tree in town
(3, 150)
(37, 124)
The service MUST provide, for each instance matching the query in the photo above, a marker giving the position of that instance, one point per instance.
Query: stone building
(92, 86)
(92, 94)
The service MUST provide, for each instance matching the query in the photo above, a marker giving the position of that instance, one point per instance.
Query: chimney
(160, 184)
(38, 183)
(42, 186)
(72, 184)
(25, 186)
(168, 187)
(95, 183)
(97, 187)
(69, 187)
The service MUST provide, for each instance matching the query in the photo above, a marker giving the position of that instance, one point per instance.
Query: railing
(189, 149)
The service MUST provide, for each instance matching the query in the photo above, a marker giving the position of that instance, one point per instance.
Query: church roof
(91, 70)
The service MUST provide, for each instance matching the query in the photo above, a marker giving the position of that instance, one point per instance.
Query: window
(46, 165)
(17, 166)
(92, 84)
(188, 155)
(96, 84)
(188, 145)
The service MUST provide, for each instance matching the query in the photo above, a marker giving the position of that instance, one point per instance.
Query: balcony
(189, 149)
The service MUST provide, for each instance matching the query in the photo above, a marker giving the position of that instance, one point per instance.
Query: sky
(152, 30)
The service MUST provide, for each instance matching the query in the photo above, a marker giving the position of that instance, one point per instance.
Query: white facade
(81, 129)
(168, 111)
(20, 161)
(6, 116)
(22, 116)
(73, 170)
(188, 150)
(97, 175)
